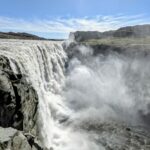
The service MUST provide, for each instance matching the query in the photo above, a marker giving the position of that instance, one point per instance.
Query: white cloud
(66, 25)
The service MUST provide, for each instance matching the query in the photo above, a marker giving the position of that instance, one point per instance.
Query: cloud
(66, 25)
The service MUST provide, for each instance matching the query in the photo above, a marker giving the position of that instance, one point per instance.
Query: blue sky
(56, 18)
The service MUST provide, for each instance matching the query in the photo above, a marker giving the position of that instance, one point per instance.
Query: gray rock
(20, 142)
(130, 31)
(18, 100)
(12, 139)
(18, 109)
(7, 133)
(133, 31)
(80, 36)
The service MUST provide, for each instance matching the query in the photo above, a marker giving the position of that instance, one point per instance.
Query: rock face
(18, 100)
(80, 36)
(18, 109)
(12, 139)
(114, 136)
(130, 31)
(133, 31)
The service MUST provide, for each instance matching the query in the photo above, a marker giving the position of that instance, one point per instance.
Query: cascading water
(92, 91)
(42, 63)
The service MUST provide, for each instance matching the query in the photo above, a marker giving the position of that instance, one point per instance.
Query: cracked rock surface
(18, 110)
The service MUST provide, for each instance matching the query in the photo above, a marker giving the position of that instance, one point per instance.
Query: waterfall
(94, 92)
(42, 63)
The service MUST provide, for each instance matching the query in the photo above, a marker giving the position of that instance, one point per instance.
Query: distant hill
(124, 32)
(23, 35)
(133, 31)
(19, 35)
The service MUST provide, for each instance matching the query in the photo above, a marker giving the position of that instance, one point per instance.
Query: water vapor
(104, 88)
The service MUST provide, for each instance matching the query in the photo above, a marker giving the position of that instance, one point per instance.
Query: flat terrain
(119, 41)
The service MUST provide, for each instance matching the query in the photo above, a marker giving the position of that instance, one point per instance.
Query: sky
(57, 18)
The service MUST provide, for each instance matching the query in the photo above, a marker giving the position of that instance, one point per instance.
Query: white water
(95, 89)
(42, 63)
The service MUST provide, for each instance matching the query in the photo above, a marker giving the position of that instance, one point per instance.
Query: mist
(108, 88)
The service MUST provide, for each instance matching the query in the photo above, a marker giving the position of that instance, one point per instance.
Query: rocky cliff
(130, 31)
(91, 55)
(18, 110)
(129, 39)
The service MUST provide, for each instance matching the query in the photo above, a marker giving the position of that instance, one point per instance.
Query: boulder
(12, 139)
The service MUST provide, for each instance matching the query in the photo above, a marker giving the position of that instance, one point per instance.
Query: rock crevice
(18, 110)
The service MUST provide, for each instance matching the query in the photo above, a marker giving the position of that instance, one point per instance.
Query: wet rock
(12, 139)
(18, 101)
(18, 109)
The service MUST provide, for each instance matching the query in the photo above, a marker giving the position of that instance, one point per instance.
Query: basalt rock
(137, 31)
(12, 139)
(18, 107)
